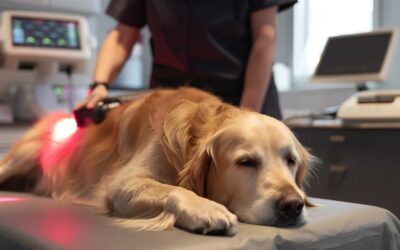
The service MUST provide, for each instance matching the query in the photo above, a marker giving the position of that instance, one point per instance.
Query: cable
(68, 71)
(311, 116)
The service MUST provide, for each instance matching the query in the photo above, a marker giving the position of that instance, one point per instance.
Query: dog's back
(72, 167)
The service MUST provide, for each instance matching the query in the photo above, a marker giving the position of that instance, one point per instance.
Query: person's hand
(95, 96)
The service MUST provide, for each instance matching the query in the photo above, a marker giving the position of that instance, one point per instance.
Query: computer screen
(45, 33)
(356, 58)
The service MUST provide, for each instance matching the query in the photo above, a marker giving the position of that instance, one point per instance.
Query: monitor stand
(362, 86)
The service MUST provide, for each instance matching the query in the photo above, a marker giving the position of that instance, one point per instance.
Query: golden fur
(172, 157)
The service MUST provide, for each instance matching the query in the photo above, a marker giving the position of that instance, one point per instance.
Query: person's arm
(259, 65)
(113, 54)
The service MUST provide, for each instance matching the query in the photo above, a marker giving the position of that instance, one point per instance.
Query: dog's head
(252, 164)
(257, 170)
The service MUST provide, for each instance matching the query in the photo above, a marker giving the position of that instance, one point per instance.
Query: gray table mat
(30, 222)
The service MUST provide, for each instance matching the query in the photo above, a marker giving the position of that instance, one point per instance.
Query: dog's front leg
(144, 199)
(199, 214)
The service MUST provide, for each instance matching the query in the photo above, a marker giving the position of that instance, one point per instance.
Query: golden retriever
(170, 158)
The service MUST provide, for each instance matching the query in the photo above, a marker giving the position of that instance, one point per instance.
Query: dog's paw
(200, 215)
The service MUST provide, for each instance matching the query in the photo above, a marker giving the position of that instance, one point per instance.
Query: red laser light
(64, 129)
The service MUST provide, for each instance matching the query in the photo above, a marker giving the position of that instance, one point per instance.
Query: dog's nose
(290, 207)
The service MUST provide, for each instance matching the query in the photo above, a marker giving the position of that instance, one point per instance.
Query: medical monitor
(45, 33)
(356, 58)
(45, 41)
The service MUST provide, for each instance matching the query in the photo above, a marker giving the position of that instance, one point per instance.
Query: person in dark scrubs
(225, 47)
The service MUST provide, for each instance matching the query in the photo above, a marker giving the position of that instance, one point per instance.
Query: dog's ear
(304, 170)
(194, 172)
(176, 136)
(184, 142)
(184, 133)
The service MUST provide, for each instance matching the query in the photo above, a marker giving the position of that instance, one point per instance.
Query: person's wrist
(96, 84)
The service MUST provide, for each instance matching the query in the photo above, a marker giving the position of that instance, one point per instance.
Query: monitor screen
(353, 55)
(355, 58)
(45, 33)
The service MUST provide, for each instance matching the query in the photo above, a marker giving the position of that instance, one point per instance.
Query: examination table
(30, 222)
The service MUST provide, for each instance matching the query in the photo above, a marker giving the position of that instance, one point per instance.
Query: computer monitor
(356, 58)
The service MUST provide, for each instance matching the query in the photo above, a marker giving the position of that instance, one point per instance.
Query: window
(316, 20)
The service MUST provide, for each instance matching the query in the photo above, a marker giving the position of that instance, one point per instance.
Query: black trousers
(228, 90)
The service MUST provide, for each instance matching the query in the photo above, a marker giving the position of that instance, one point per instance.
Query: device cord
(68, 72)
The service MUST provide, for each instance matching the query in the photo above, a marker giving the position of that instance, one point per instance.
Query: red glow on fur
(60, 140)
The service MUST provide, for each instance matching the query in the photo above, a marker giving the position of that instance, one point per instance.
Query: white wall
(389, 16)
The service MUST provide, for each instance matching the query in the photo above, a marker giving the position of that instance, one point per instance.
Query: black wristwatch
(94, 85)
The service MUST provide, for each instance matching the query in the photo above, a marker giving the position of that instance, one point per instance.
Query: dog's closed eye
(289, 157)
(248, 162)
(291, 161)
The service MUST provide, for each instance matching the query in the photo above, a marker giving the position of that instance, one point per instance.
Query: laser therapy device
(38, 48)
(96, 115)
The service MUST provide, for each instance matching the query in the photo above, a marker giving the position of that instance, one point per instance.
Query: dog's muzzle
(288, 211)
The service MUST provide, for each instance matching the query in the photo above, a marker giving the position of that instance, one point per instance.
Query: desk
(357, 163)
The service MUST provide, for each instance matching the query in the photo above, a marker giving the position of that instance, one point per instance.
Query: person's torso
(204, 38)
